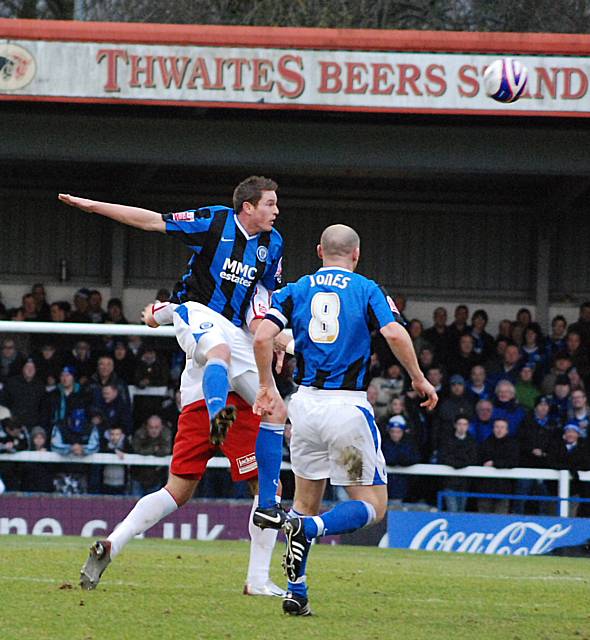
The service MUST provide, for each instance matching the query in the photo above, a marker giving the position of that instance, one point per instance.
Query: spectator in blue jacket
(114, 408)
(506, 407)
(399, 450)
(482, 425)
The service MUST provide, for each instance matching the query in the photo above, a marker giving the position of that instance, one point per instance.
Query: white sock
(145, 514)
(262, 543)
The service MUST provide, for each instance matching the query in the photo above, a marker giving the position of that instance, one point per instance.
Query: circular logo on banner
(262, 254)
(17, 67)
(205, 325)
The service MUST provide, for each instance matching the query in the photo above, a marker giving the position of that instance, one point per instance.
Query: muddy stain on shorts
(352, 460)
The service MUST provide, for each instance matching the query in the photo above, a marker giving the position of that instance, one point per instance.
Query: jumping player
(332, 313)
(232, 251)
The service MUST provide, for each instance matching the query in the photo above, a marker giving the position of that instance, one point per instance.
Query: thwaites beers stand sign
(273, 68)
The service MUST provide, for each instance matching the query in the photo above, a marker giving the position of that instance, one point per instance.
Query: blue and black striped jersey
(332, 314)
(226, 263)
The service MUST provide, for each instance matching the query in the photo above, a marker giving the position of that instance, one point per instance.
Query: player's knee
(279, 415)
(219, 352)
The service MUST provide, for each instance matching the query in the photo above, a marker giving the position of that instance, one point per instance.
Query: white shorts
(198, 329)
(334, 436)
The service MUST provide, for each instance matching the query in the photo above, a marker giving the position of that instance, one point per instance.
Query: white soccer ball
(505, 80)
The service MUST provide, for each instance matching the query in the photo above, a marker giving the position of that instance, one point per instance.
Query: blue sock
(300, 587)
(343, 518)
(215, 386)
(269, 455)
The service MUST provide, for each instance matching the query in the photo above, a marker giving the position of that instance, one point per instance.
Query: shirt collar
(241, 228)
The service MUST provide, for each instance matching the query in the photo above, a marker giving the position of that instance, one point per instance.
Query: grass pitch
(164, 590)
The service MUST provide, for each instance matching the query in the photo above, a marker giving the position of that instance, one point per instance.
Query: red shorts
(192, 449)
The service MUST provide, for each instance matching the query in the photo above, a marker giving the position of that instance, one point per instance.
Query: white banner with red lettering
(282, 78)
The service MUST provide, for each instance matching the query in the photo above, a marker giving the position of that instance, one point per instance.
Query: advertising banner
(96, 516)
(487, 534)
(273, 78)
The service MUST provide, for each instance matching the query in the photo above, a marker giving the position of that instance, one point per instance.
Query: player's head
(255, 201)
(339, 243)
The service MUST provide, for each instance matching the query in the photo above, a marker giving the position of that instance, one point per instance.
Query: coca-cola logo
(517, 538)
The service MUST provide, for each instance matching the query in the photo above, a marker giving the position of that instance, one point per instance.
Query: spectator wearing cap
(536, 437)
(579, 412)
(500, 451)
(526, 390)
(506, 406)
(26, 397)
(457, 403)
(481, 425)
(478, 384)
(464, 359)
(95, 311)
(11, 360)
(38, 476)
(81, 306)
(458, 451)
(398, 450)
(508, 370)
(560, 399)
(572, 453)
(483, 343)
(72, 431)
(403, 406)
(115, 313)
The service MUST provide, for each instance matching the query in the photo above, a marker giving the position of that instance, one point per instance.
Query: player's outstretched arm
(400, 343)
(132, 216)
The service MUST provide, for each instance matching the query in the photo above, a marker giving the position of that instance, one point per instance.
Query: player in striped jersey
(232, 251)
(332, 313)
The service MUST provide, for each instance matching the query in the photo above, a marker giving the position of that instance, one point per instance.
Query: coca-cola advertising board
(486, 534)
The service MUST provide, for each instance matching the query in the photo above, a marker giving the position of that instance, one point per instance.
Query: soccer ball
(505, 80)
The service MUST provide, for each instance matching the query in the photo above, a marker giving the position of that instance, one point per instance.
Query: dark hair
(115, 302)
(585, 304)
(480, 313)
(250, 190)
(558, 317)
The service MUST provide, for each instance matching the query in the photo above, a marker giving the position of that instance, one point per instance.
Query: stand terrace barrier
(561, 476)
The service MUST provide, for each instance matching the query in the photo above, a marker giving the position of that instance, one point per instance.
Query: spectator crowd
(514, 399)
